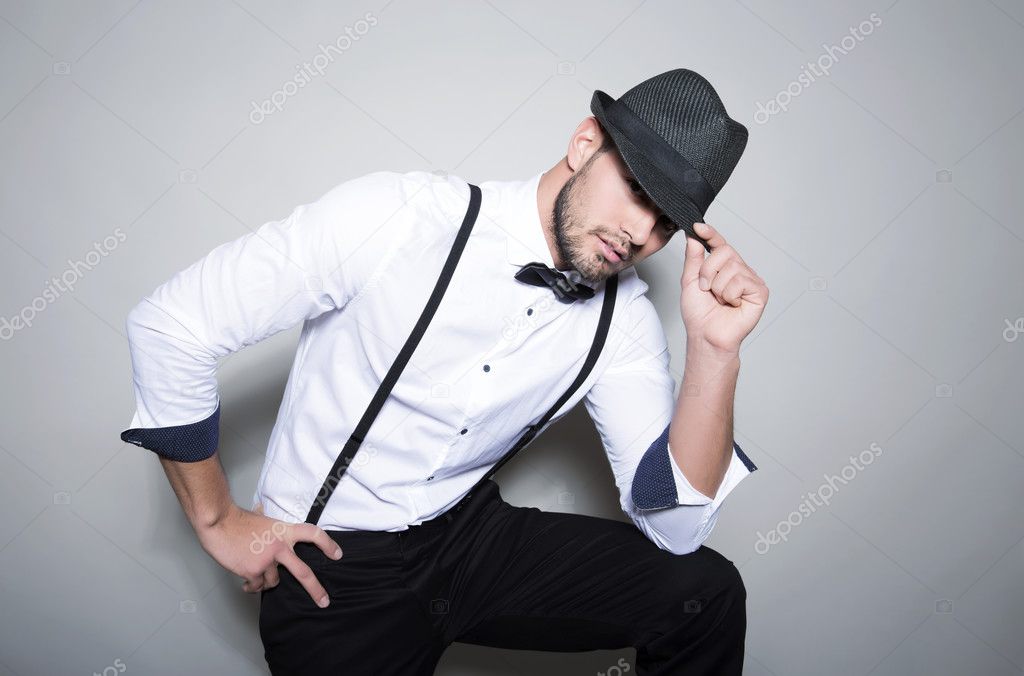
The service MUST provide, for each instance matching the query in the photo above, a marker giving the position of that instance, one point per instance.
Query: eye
(670, 227)
(635, 186)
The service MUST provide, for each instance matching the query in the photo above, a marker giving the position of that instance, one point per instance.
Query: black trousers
(489, 573)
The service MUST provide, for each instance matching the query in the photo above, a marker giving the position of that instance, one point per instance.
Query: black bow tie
(540, 274)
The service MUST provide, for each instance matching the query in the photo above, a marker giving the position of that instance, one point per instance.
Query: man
(529, 307)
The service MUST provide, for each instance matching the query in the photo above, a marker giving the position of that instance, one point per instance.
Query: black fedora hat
(673, 133)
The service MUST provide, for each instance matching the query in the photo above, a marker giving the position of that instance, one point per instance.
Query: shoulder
(636, 322)
(632, 300)
(439, 194)
(381, 189)
(417, 186)
(387, 207)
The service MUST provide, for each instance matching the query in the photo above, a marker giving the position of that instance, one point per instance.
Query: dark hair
(607, 143)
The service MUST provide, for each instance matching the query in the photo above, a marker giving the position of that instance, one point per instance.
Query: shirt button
(463, 431)
(487, 367)
(529, 310)
(430, 477)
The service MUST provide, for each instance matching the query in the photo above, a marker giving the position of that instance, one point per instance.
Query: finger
(729, 269)
(271, 577)
(254, 584)
(739, 286)
(722, 259)
(304, 574)
(711, 270)
(692, 234)
(307, 532)
(710, 235)
(694, 258)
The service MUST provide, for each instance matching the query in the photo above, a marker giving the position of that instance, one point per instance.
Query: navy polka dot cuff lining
(184, 443)
(653, 484)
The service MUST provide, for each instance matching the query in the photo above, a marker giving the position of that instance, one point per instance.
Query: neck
(551, 181)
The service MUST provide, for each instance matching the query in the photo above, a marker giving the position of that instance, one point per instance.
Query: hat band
(656, 149)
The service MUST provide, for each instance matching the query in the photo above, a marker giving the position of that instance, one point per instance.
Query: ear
(584, 142)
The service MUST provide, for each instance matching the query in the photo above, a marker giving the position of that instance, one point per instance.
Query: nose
(639, 229)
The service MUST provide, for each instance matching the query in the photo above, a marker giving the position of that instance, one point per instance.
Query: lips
(610, 252)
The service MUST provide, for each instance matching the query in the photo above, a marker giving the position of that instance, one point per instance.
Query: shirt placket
(489, 368)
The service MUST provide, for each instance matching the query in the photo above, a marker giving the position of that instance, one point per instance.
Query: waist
(487, 491)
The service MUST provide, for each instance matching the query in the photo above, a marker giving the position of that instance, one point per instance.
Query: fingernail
(337, 553)
(703, 284)
(323, 602)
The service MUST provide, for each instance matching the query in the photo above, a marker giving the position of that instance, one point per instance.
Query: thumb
(692, 261)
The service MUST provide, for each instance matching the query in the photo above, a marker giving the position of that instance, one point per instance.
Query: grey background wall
(879, 197)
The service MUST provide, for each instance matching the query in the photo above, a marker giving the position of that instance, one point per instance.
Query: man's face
(602, 205)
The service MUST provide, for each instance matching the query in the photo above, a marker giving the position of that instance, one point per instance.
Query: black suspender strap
(603, 323)
(359, 433)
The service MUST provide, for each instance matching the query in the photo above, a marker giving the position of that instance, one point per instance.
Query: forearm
(700, 433)
(202, 489)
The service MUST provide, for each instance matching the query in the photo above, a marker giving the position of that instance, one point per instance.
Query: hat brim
(662, 191)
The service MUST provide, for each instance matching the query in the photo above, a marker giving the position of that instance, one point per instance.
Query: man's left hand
(722, 297)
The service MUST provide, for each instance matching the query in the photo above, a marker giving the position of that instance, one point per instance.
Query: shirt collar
(520, 219)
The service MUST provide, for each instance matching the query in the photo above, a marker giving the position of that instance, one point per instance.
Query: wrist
(700, 350)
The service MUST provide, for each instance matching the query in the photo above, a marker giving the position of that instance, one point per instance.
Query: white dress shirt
(355, 267)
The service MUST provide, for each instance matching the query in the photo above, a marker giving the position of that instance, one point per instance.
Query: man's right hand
(251, 545)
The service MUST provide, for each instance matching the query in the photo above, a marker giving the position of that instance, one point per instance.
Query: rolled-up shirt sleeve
(631, 404)
(243, 291)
